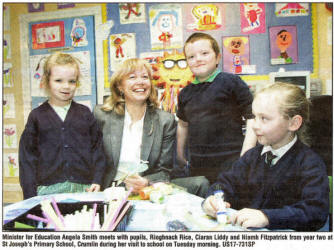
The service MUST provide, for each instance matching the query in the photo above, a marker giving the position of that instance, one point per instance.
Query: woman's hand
(248, 217)
(93, 188)
(210, 206)
(136, 182)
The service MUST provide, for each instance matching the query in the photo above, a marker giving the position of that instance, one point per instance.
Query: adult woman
(135, 130)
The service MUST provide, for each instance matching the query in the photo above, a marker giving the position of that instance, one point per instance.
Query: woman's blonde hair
(292, 101)
(58, 59)
(116, 101)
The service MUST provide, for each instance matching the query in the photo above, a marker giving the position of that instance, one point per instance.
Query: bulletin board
(259, 43)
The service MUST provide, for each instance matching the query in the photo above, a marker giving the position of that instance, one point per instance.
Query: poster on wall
(36, 71)
(8, 106)
(79, 33)
(10, 165)
(132, 13)
(202, 17)
(253, 18)
(9, 136)
(236, 54)
(48, 35)
(7, 75)
(7, 52)
(291, 9)
(283, 44)
(6, 18)
(121, 47)
(166, 26)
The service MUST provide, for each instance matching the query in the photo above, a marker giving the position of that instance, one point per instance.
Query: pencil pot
(22, 223)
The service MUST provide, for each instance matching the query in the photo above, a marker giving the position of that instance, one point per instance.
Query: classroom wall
(11, 188)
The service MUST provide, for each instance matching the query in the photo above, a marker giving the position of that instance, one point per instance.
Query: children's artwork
(8, 106)
(7, 54)
(291, 9)
(10, 165)
(201, 17)
(151, 57)
(9, 136)
(7, 75)
(283, 44)
(48, 35)
(6, 18)
(65, 5)
(35, 7)
(171, 75)
(132, 13)
(235, 54)
(79, 33)
(166, 26)
(122, 47)
(36, 72)
(253, 18)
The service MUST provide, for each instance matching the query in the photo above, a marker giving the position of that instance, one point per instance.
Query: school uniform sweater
(293, 193)
(52, 151)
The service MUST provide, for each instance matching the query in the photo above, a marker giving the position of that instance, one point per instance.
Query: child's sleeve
(99, 159)
(28, 158)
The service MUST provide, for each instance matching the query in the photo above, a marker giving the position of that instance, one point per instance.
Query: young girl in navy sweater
(291, 190)
(61, 147)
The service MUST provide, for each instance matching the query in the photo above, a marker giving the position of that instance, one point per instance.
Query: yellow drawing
(171, 74)
(207, 16)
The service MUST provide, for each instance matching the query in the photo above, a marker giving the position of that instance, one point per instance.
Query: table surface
(180, 206)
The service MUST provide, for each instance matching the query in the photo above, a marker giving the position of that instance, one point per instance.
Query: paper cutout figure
(238, 53)
(252, 17)
(207, 16)
(171, 74)
(132, 13)
(79, 33)
(122, 47)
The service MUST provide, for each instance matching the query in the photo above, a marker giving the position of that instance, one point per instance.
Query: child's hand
(93, 188)
(136, 182)
(210, 206)
(248, 217)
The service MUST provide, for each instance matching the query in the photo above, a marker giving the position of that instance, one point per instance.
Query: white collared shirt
(61, 111)
(132, 139)
(280, 151)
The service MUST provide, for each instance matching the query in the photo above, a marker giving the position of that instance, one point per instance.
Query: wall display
(65, 5)
(6, 18)
(7, 75)
(283, 44)
(10, 165)
(9, 136)
(201, 17)
(166, 26)
(253, 18)
(132, 13)
(122, 47)
(36, 72)
(7, 52)
(79, 33)
(171, 75)
(235, 54)
(35, 7)
(48, 35)
(8, 106)
(151, 57)
(291, 9)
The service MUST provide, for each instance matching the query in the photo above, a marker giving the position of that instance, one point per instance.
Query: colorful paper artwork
(79, 33)
(9, 136)
(48, 35)
(8, 106)
(7, 75)
(132, 13)
(235, 54)
(121, 47)
(6, 18)
(36, 72)
(166, 26)
(7, 54)
(35, 7)
(253, 18)
(151, 57)
(10, 165)
(202, 17)
(291, 9)
(283, 44)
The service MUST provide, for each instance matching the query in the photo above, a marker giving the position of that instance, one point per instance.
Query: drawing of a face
(166, 23)
(283, 40)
